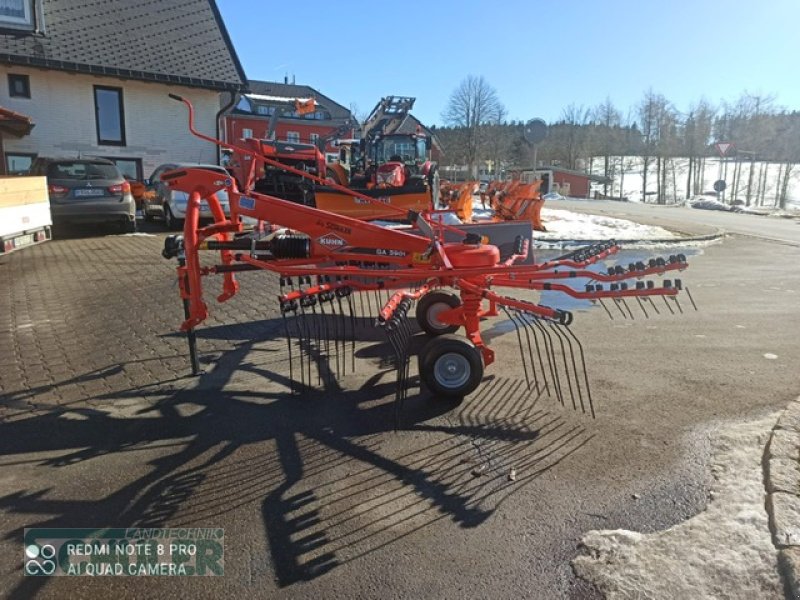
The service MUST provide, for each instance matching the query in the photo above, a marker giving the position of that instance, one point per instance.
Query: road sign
(720, 185)
(724, 147)
(535, 131)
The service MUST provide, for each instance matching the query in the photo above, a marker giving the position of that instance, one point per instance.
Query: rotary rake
(341, 277)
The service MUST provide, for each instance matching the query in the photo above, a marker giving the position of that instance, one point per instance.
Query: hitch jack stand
(191, 337)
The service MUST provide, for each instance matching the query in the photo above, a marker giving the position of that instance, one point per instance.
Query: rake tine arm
(396, 299)
(596, 293)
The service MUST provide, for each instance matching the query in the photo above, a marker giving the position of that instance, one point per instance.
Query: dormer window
(16, 14)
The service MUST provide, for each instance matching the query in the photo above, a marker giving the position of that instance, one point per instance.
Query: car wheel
(170, 221)
(148, 218)
(128, 226)
(451, 366)
(428, 309)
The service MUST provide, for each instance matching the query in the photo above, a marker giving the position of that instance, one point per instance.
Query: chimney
(286, 78)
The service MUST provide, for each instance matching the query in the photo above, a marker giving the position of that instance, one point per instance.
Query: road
(778, 229)
(318, 495)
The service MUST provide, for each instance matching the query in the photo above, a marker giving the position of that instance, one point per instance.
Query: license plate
(84, 192)
(23, 240)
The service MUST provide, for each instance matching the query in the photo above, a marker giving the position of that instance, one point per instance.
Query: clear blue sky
(540, 56)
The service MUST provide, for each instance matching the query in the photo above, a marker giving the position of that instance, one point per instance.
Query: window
(16, 14)
(265, 110)
(109, 115)
(81, 170)
(314, 137)
(131, 168)
(247, 133)
(19, 86)
(18, 163)
(293, 137)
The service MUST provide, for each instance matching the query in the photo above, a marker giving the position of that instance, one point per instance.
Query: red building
(253, 114)
(564, 181)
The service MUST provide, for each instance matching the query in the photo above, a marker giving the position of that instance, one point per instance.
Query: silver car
(170, 205)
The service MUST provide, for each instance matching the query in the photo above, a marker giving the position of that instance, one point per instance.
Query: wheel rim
(434, 311)
(452, 370)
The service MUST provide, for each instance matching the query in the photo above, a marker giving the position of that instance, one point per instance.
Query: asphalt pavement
(318, 494)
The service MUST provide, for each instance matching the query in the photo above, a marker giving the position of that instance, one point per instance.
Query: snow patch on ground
(564, 224)
(135, 234)
(724, 552)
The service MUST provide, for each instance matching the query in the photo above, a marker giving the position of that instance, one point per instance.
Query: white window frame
(246, 133)
(293, 137)
(314, 138)
(25, 22)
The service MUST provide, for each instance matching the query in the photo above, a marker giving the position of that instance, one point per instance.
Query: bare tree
(472, 104)
(496, 141)
(608, 119)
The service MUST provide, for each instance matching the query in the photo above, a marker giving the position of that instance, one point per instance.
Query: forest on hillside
(654, 134)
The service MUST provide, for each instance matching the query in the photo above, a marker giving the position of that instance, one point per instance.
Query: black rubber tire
(148, 217)
(170, 221)
(426, 312)
(128, 226)
(451, 366)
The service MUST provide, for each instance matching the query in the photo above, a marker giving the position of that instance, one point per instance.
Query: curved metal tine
(378, 304)
(583, 365)
(351, 309)
(557, 328)
(361, 300)
(641, 306)
(678, 304)
(528, 327)
(688, 293)
(519, 342)
(628, 308)
(551, 355)
(605, 308)
(668, 306)
(288, 350)
(653, 304)
(336, 337)
(622, 312)
(304, 334)
(343, 329)
(554, 328)
(323, 337)
(388, 329)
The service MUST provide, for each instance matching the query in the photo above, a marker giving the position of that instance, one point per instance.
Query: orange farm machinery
(333, 269)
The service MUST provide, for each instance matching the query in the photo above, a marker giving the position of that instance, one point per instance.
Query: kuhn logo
(331, 240)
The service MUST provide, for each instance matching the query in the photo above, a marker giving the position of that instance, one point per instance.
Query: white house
(94, 76)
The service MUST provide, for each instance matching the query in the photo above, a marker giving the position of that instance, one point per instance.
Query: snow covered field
(630, 185)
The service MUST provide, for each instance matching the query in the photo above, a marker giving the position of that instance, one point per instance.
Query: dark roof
(409, 125)
(291, 90)
(177, 41)
(15, 123)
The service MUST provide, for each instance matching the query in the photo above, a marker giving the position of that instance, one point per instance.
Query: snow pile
(566, 225)
(724, 552)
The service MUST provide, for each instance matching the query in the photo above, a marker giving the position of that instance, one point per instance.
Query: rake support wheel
(451, 366)
(428, 309)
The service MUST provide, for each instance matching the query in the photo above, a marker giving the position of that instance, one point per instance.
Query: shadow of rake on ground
(328, 491)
